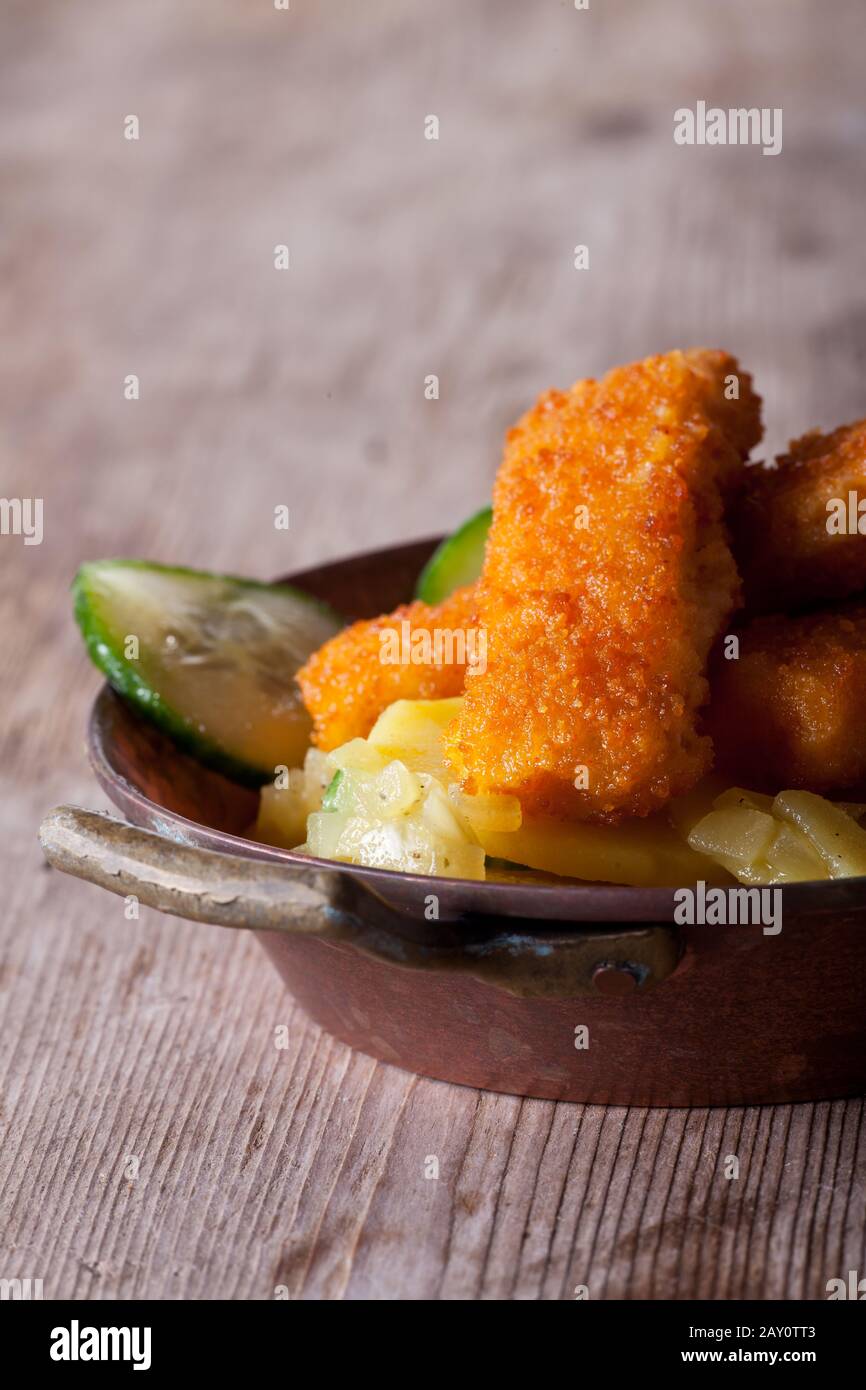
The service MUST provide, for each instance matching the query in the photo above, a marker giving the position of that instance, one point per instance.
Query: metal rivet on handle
(613, 978)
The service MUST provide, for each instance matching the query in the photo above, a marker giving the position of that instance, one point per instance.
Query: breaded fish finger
(349, 681)
(791, 711)
(608, 575)
(787, 553)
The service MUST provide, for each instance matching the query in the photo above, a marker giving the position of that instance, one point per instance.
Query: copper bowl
(561, 990)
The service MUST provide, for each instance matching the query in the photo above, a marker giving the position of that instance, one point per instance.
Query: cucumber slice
(215, 658)
(457, 561)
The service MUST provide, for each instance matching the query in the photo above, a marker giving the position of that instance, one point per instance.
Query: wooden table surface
(155, 1142)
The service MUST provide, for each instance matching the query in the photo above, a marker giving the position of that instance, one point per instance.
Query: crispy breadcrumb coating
(349, 681)
(791, 711)
(608, 575)
(787, 555)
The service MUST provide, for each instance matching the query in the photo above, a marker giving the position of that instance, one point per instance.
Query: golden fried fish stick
(607, 577)
(791, 711)
(796, 535)
(416, 653)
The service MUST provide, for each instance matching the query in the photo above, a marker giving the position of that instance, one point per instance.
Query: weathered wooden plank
(305, 1167)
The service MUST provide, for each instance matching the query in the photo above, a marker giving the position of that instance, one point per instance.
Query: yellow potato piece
(836, 837)
(391, 809)
(283, 811)
(795, 837)
(282, 819)
(357, 756)
(791, 858)
(395, 791)
(487, 812)
(411, 730)
(736, 837)
(409, 844)
(645, 853)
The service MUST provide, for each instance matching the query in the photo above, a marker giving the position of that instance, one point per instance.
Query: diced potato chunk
(835, 835)
(792, 859)
(736, 837)
(283, 810)
(793, 838)
(487, 812)
(358, 755)
(407, 843)
(412, 731)
(396, 790)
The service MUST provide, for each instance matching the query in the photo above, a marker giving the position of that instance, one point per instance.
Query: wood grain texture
(304, 1167)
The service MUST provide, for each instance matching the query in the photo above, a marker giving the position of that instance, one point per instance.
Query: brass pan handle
(200, 884)
(208, 886)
